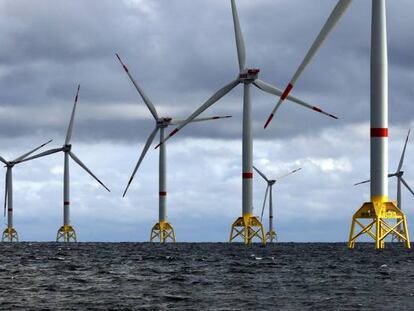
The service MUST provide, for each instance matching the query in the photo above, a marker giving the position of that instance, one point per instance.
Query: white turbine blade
(403, 153)
(178, 122)
(219, 94)
(42, 154)
(336, 14)
(407, 186)
(264, 202)
(30, 152)
(141, 92)
(290, 173)
(6, 191)
(3, 160)
(143, 153)
(260, 173)
(268, 88)
(72, 117)
(369, 180)
(79, 162)
(241, 50)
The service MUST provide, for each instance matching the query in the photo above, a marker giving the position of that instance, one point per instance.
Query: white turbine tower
(379, 212)
(162, 230)
(271, 235)
(247, 226)
(400, 180)
(66, 233)
(10, 234)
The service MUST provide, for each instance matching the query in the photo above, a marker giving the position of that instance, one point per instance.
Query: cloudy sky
(181, 52)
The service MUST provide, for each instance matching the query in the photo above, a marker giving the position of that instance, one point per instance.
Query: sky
(181, 52)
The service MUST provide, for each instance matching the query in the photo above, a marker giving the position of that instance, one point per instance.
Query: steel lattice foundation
(385, 217)
(271, 236)
(247, 227)
(10, 235)
(162, 231)
(66, 233)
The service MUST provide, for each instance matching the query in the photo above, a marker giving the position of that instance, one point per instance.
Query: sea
(205, 276)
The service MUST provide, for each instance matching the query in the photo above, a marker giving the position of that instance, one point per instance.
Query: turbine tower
(66, 233)
(400, 180)
(10, 234)
(247, 226)
(271, 235)
(162, 230)
(379, 212)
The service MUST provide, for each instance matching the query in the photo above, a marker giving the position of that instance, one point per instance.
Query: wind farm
(207, 186)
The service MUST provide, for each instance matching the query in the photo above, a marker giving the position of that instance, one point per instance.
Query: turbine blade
(42, 154)
(403, 153)
(241, 50)
(79, 162)
(407, 186)
(290, 173)
(30, 152)
(362, 182)
(3, 160)
(6, 191)
(369, 180)
(264, 202)
(216, 96)
(72, 117)
(260, 173)
(219, 94)
(141, 92)
(143, 153)
(178, 122)
(336, 14)
(268, 88)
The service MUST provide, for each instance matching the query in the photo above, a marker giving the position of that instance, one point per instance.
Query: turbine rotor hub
(249, 75)
(163, 122)
(67, 148)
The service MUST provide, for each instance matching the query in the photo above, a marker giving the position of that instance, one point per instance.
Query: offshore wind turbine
(271, 235)
(10, 233)
(379, 213)
(400, 180)
(162, 230)
(247, 226)
(66, 232)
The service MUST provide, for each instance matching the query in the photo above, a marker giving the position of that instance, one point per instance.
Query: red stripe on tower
(287, 91)
(379, 132)
(163, 193)
(247, 175)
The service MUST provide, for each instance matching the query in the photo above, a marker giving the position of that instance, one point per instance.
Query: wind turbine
(66, 233)
(10, 234)
(162, 230)
(400, 180)
(247, 226)
(271, 235)
(379, 212)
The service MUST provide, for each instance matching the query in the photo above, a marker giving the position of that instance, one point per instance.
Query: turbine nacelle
(67, 148)
(249, 75)
(163, 122)
(272, 182)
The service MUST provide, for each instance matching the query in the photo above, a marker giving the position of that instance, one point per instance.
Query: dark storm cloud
(181, 52)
